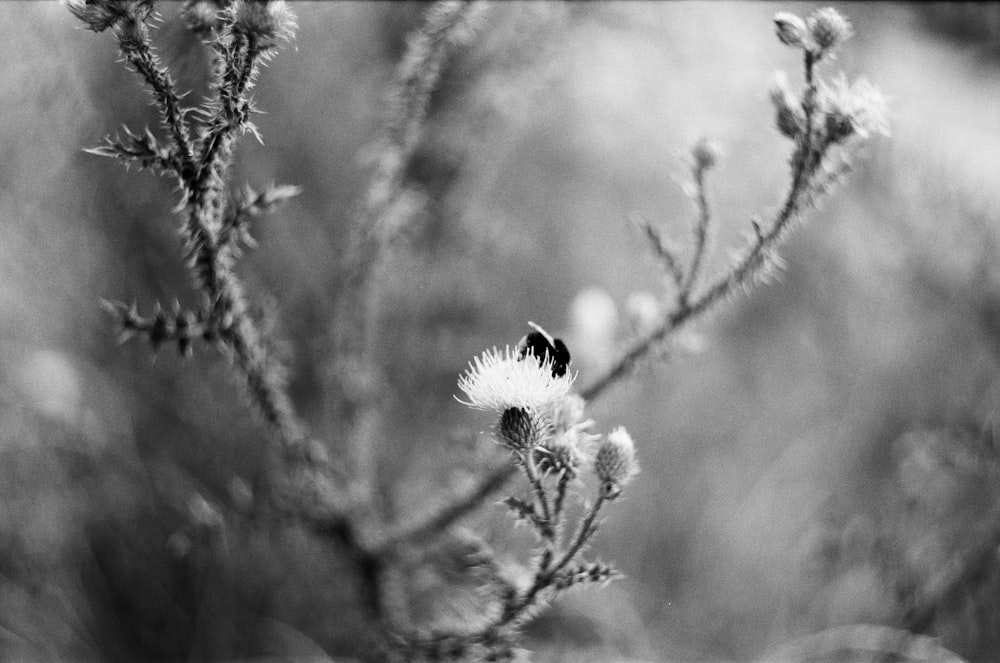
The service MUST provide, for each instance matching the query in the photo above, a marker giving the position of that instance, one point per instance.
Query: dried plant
(570, 473)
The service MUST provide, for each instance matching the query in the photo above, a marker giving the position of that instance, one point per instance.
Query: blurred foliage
(828, 460)
(974, 25)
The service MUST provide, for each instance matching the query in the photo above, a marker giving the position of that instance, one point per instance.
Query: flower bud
(705, 153)
(791, 29)
(829, 29)
(615, 463)
(519, 429)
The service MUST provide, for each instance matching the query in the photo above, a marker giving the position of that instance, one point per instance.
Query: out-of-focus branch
(454, 509)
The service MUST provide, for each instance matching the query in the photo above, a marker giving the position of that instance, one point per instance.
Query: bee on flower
(498, 380)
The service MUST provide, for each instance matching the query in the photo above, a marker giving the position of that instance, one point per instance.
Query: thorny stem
(557, 505)
(517, 607)
(657, 243)
(700, 231)
(587, 528)
(202, 180)
(530, 471)
(140, 55)
(805, 160)
(543, 577)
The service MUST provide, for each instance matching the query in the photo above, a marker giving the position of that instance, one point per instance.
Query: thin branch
(417, 76)
(447, 515)
(805, 161)
(700, 228)
(661, 248)
(534, 480)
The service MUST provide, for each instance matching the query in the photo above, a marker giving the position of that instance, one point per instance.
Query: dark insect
(540, 345)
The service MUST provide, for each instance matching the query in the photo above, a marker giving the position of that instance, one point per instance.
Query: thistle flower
(829, 29)
(501, 380)
(615, 463)
(861, 102)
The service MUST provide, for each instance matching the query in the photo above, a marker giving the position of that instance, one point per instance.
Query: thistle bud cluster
(820, 34)
(832, 112)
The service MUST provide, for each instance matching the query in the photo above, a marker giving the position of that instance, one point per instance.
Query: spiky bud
(615, 463)
(519, 429)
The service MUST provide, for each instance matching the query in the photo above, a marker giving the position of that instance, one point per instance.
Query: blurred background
(817, 454)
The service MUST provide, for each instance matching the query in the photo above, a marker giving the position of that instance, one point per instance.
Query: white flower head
(500, 380)
(861, 101)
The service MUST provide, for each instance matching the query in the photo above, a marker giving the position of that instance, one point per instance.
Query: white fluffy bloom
(861, 101)
(500, 380)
